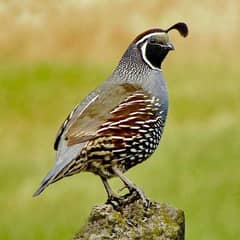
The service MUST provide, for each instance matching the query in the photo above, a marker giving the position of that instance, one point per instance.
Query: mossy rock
(159, 221)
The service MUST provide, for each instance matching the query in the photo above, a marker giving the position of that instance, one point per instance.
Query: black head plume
(181, 27)
(154, 44)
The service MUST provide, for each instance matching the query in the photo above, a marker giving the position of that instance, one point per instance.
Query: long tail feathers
(40, 189)
(46, 182)
(57, 173)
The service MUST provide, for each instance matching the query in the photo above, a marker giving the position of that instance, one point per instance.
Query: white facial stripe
(148, 36)
(143, 52)
(143, 48)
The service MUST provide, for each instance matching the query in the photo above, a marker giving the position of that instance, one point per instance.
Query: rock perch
(159, 221)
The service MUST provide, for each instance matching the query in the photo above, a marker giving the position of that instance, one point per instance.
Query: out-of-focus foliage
(81, 29)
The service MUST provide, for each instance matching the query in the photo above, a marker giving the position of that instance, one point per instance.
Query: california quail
(119, 124)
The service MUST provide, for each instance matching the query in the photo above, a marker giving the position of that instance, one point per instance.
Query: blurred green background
(52, 53)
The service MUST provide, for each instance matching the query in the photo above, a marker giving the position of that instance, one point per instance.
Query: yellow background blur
(52, 53)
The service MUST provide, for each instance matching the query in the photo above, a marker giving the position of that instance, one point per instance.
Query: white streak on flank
(132, 101)
(135, 127)
(107, 128)
(115, 110)
(123, 121)
(124, 126)
(106, 123)
(145, 109)
(87, 105)
(151, 121)
(128, 139)
(142, 130)
(117, 137)
(140, 122)
(103, 129)
(129, 97)
(126, 104)
(137, 113)
(137, 94)
(149, 113)
(121, 138)
(113, 127)
(119, 150)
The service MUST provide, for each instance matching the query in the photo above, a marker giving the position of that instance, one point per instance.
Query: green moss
(134, 222)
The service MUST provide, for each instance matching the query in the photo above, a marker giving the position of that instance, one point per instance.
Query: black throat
(155, 54)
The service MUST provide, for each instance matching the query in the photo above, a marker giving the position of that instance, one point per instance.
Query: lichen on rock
(159, 221)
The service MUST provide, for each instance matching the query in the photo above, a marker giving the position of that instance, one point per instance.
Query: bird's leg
(132, 188)
(112, 196)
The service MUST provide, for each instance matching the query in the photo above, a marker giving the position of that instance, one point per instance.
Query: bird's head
(154, 44)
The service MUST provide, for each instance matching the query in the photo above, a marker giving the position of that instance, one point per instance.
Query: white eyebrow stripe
(147, 36)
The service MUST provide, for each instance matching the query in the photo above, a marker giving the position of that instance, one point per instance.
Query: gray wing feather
(71, 117)
(64, 156)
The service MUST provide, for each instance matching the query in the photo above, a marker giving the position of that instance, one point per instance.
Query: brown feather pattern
(86, 125)
(126, 138)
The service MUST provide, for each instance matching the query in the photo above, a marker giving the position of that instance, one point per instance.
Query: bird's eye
(152, 41)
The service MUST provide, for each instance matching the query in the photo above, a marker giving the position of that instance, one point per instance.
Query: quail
(120, 123)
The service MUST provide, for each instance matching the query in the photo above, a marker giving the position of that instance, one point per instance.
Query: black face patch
(155, 52)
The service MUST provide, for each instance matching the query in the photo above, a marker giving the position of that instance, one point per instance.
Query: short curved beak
(169, 46)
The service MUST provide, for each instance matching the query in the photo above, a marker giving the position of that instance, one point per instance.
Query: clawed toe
(134, 194)
(113, 200)
(139, 194)
(119, 202)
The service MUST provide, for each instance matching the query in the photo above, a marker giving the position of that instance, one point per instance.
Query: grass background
(53, 53)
